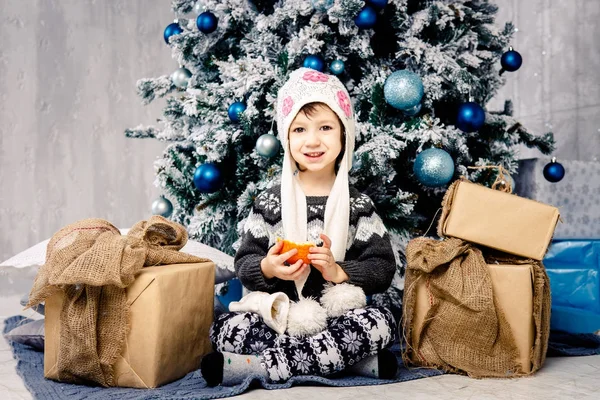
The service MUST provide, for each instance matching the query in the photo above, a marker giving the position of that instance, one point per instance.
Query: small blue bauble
(511, 61)
(471, 117)
(379, 4)
(337, 67)
(366, 18)
(411, 112)
(322, 5)
(207, 22)
(314, 61)
(403, 90)
(235, 110)
(170, 30)
(434, 167)
(207, 178)
(554, 171)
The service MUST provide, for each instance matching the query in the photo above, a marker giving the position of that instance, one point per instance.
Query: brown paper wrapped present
(464, 314)
(498, 220)
(171, 310)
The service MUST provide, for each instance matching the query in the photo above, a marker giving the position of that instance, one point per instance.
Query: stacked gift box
(573, 259)
(507, 236)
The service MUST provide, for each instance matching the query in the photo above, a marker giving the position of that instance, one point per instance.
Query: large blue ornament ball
(235, 111)
(337, 67)
(379, 4)
(366, 18)
(208, 178)
(322, 5)
(554, 172)
(511, 60)
(170, 30)
(314, 61)
(434, 167)
(403, 90)
(470, 118)
(207, 22)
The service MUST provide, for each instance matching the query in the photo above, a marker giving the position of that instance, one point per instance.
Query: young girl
(316, 127)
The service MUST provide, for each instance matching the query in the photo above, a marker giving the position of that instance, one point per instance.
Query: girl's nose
(313, 137)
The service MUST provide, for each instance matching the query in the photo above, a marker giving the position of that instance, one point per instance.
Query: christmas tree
(419, 73)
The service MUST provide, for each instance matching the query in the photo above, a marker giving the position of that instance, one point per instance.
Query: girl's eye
(326, 128)
(298, 130)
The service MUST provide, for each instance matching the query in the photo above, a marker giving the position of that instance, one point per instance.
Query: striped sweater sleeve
(370, 259)
(253, 248)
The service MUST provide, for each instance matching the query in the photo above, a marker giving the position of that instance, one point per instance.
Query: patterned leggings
(346, 340)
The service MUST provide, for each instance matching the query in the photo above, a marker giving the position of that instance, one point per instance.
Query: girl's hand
(272, 266)
(322, 259)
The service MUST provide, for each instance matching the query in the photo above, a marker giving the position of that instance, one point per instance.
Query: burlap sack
(463, 331)
(93, 264)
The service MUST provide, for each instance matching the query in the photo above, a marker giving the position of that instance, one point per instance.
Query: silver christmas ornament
(181, 77)
(267, 145)
(162, 206)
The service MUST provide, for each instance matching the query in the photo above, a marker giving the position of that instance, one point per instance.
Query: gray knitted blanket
(30, 367)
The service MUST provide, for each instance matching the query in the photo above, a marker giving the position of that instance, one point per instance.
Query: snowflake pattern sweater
(369, 260)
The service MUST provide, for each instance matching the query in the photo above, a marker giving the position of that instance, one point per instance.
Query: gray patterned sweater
(369, 260)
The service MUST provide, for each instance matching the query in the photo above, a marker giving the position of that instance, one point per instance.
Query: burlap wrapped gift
(93, 276)
(499, 220)
(465, 315)
(170, 311)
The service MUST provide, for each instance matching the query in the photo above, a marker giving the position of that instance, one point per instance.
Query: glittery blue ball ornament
(208, 178)
(322, 5)
(207, 22)
(235, 110)
(470, 118)
(403, 89)
(379, 4)
(511, 60)
(554, 171)
(337, 67)
(314, 61)
(366, 18)
(170, 30)
(411, 112)
(434, 167)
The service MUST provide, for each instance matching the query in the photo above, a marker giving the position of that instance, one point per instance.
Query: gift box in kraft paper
(498, 220)
(513, 294)
(171, 311)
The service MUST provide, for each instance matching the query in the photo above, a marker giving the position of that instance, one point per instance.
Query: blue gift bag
(573, 267)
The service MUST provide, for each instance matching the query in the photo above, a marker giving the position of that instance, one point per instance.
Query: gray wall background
(68, 70)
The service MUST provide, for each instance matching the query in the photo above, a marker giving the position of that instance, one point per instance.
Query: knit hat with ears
(307, 86)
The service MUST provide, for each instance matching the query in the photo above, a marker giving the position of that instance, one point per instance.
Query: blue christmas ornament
(314, 61)
(554, 171)
(471, 117)
(366, 18)
(207, 178)
(337, 67)
(322, 5)
(511, 61)
(403, 90)
(379, 4)
(411, 112)
(170, 30)
(235, 110)
(434, 167)
(207, 22)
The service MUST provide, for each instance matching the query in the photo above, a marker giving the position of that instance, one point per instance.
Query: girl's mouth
(314, 156)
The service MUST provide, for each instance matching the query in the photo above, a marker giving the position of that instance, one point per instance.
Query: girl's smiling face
(315, 139)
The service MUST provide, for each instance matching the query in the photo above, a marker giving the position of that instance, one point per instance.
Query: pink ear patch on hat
(315, 76)
(288, 103)
(344, 103)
